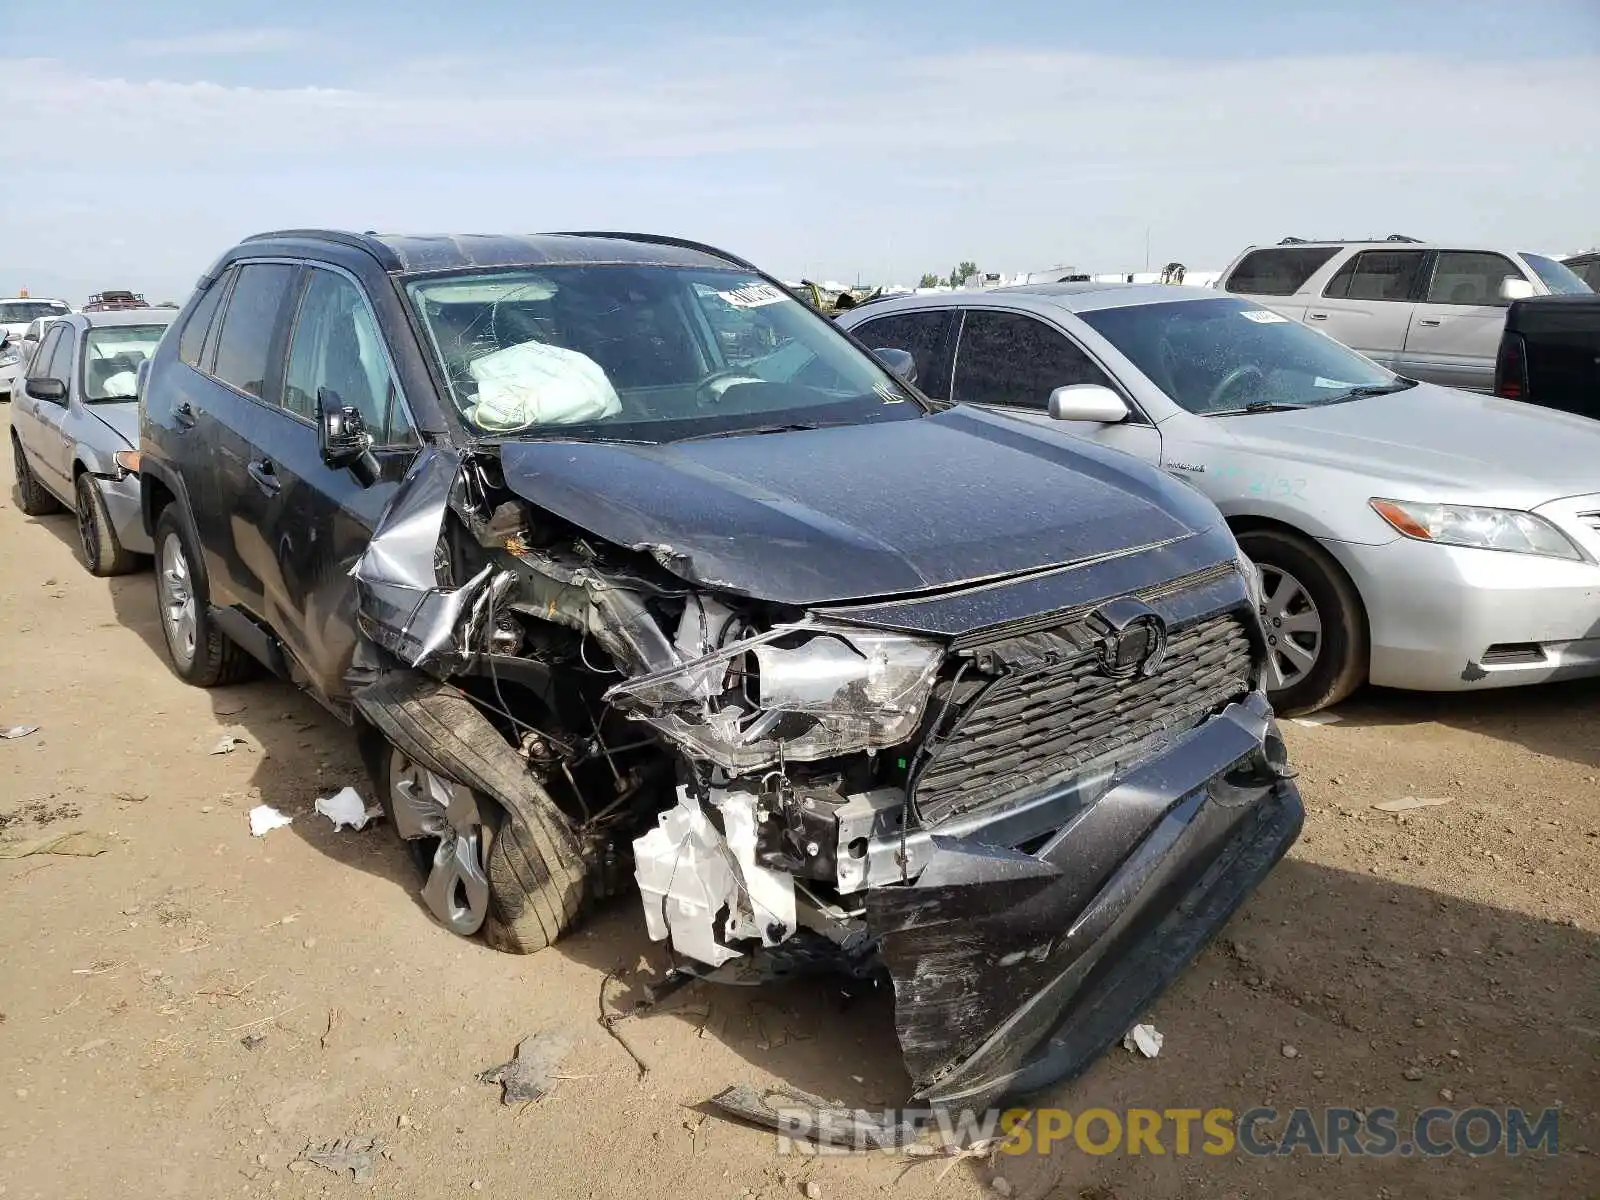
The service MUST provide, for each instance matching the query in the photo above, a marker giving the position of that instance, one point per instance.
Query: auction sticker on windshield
(1262, 316)
(753, 295)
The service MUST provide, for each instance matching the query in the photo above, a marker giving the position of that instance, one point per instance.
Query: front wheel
(1316, 628)
(103, 554)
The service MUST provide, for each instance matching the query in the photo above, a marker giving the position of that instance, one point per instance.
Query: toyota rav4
(628, 566)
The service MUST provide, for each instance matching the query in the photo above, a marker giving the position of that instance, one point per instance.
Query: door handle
(266, 478)
(1430, 322)
(1316, 316)
(184, 415)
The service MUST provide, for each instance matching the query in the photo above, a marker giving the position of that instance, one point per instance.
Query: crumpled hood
(122, 417)
(861, 511)
(1461, 446)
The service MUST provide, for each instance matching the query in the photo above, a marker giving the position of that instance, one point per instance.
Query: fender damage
(1025, 797)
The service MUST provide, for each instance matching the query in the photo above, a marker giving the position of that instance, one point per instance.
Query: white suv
(1428, 311)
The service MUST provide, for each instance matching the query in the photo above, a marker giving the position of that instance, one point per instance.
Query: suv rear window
(245, 343)
(1279, 271)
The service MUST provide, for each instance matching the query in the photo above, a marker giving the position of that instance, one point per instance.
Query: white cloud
(821, 153)
(217, 41)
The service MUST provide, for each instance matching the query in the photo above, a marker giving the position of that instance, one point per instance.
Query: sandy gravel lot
(182, 1014)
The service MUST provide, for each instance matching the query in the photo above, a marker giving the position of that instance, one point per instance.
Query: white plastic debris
(18, 731)
(1145, 1039)
(226, 745)
(264, 819)
(345, 807)
(1407, 803)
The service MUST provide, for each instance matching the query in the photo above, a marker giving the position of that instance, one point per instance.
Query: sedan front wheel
(1315, 625)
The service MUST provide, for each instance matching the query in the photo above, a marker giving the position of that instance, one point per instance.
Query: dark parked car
(848, 679)
(1550, 354)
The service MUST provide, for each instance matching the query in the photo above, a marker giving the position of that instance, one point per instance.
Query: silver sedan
(1407, 534)
(75, 430)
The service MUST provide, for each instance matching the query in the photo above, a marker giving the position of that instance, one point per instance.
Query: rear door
(316, 521)
(1012, 361)
(233, 413)
(1455, 330)
(1367, 304)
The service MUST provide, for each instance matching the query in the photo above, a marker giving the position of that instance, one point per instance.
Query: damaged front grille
(1052, 709)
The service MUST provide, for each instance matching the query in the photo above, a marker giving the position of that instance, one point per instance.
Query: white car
(16, 314)
(1431, 312)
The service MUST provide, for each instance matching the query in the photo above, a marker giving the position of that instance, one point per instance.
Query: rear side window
(244, 346)
(919, 334)
(193, 338)
(1279, 271)
(1008, 358)
(1470, 277)
(1377, 275)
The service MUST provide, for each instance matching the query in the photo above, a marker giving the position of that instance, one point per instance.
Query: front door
(1455, 330)
(1012, 362)
(319, 520)
(1367, 304)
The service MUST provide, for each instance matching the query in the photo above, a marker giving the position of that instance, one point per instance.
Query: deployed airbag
(536, 384)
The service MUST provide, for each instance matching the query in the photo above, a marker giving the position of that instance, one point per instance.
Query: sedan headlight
(1253, 586)
(1480, 528)
(798, 692)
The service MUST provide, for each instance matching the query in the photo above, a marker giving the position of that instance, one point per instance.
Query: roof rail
(1300, 241)
(660, 239)
(357, 241)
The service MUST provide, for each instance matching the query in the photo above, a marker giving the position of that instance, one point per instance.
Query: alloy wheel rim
(1293, 626)
(426, 805)
(178, 614)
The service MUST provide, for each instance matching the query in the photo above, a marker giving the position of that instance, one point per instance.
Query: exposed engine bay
(797, 789)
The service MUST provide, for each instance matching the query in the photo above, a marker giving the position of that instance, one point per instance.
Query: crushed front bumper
(1014, 967)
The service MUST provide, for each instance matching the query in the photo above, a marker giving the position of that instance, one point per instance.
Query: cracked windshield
(653, 354)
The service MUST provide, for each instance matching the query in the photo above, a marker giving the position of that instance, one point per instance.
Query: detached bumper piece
(1015, 968)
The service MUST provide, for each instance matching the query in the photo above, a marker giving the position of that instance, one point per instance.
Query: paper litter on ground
(264, 819)
(1146, 1039)
(346, 807)
(18, 731)
(1315, 719)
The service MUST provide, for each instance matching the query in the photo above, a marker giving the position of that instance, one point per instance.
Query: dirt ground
(183, 1014)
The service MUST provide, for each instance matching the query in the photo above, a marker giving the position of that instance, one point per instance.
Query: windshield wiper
(1400, 384)
(753, 429)
(1258, 406)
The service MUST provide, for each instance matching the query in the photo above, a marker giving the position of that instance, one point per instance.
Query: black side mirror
(343, 438)
(901, 362)
(52, 391)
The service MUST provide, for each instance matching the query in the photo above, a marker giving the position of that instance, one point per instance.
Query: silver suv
(1432, 312)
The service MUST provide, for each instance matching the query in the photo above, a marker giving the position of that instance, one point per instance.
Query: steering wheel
(1232, 380)
(708, 393)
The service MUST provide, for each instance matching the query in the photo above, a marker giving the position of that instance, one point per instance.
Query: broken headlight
(798, 693)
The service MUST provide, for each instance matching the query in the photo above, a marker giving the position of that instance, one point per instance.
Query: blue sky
(831, 140)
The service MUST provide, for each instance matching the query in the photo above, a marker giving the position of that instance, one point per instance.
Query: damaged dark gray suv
(627, 565)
